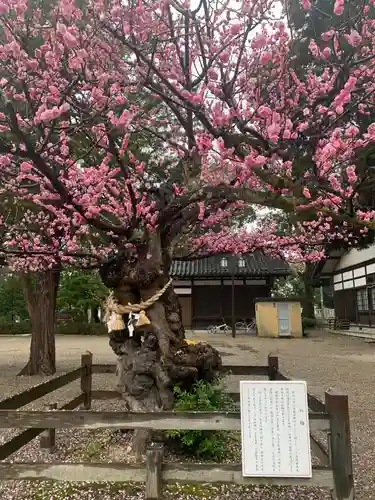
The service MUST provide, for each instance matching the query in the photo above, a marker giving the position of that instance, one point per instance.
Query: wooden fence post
(86, 379)
(47, 441)
(341, 449)
(154, 464)
(273, 366)
(329, 450)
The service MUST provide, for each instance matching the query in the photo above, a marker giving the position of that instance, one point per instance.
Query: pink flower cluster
(109, 103)
(338, 8)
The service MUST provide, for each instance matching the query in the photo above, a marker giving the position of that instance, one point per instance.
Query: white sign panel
(275, 429)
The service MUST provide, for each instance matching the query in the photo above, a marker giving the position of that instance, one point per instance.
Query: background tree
(292, 285)
(80, 292)
(317, 24)
(39, 280)
(12, 301)
(40, 290)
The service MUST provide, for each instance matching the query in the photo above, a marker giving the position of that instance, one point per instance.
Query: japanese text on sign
(275, 429)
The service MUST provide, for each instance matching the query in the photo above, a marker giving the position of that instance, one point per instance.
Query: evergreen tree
(79, 292)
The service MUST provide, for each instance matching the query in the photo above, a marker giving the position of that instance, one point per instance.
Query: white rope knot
(114, 311)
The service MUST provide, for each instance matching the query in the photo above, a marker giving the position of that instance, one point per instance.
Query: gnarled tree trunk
(40, 290)
(157, 357)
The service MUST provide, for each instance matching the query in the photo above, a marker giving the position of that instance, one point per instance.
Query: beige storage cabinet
(278, 317)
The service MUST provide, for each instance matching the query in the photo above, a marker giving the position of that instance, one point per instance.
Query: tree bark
(157, 357)
(40, 290)
(308, 310)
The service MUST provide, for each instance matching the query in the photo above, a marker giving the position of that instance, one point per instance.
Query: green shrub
(8, 327)
(204, 396)
(308, 323)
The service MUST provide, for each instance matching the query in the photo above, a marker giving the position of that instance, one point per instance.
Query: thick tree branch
(49, 173)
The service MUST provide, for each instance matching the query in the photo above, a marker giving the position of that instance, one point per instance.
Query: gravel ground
(323, 360)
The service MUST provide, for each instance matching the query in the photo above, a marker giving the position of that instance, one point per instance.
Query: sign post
(275, 429)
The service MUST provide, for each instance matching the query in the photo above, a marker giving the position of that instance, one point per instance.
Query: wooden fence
(338, 324)
(324, 313)
(332, 417)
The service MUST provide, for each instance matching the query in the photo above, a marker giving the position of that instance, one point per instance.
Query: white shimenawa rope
(114, 311)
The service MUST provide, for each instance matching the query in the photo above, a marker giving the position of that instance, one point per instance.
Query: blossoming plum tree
(231, 124)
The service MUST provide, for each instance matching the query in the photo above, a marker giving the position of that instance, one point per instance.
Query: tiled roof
(325, 267)
(256, 264)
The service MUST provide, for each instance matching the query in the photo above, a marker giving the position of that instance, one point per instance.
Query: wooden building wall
(345, 305)
(186, 310)
(354, 291)
(208, 302)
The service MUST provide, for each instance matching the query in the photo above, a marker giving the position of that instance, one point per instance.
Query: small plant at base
(204, 396)
(93, 450)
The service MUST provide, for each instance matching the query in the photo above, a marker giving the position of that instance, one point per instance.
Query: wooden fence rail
(232, 369)
(30, 395)
(169, 472)
(33, 394)
(166, 420)
(332, 417)
(25, 437)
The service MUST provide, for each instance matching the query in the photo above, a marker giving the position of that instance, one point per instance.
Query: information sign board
(275, 429)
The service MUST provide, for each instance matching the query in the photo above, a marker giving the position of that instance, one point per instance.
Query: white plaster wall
(355, 256)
